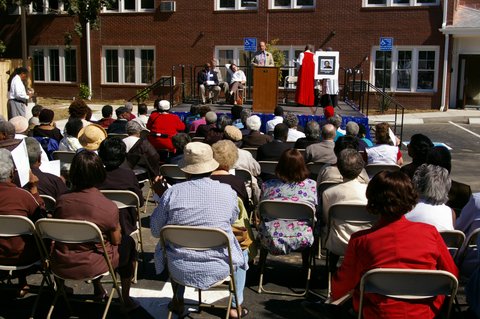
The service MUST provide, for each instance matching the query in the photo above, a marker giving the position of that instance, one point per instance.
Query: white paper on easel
(20, 158)
(52, 167)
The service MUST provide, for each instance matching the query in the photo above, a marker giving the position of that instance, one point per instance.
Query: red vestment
(305, 84)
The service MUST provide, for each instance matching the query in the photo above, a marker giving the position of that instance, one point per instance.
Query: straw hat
(91, 136)
(198, 159)
(232, 133)
(20, 123)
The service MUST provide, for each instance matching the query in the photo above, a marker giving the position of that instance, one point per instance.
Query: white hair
(254, 123)
(6, 165)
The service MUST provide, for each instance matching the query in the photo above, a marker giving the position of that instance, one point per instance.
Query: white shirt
(382, 154)
(271, 124)
(130, 141)
(17, 89)
(237, 76)
(331, 87)
(439, 216)
(142, 120)
(294, 135)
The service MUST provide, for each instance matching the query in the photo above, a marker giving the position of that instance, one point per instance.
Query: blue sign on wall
(250, 44)
(386, 44)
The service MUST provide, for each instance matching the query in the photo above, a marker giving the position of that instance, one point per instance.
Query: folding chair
(409, 284)
(76, 232)
(374, 169)
(50, 203)
(128, 199)
(454, 240)
(199, 238)
(66, 158)
(469, 245)
(247, 179)
(173, 172)
(198, 139)
(350, 218)
(117, 135)
(268, 167)
(314, 168)
(12, 226)
(252, 150)
(273, 209)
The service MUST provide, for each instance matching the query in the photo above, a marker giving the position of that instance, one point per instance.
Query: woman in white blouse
(237, 80)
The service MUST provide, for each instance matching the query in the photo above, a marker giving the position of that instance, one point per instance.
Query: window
(236, 4)
(410, 69)
(396, 3)
(128, 66)
(291, 4)
(130, 6)
(48, 6)
(54, 64)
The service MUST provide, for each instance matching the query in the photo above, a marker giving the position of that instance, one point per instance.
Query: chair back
(323, 187)
(117, 135)
(50, 203)
(122, 198)
(374, 169)
(172, 171)
(408, 284)
(14, 225)
(314, 168)
(469, 245)
(198, 139)
(244, 175)
(276, 209)
(268, 167)
(69, 231)
(252, 150)
(64, 156)
(454, 240)
(194, 238)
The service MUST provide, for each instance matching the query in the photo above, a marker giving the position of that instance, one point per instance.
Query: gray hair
(33, 149)
(6, 165)
(328, 132)
(350, 163)
(129, 106)
(254, 123)
(352, 128)
(312, 129)
(8, 129)
(133, 127)
(335, 120)
(432, 183)
(244, 115)
(290, 119)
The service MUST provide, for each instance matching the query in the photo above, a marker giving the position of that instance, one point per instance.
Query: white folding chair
(374, 169)
(50, 203)
(128, 199)
(66, 158)
(76, 232)
(199, 238)
(454, 240)
(272, 209)
(409, 284)
(198, 139)
(268, 167)
(173, 172)
(13, 226)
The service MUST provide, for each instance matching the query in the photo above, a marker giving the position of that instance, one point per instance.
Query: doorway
(468, 81)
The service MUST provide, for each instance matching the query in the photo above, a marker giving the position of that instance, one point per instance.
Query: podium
(265, 89)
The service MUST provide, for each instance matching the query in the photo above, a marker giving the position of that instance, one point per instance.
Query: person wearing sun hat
(91, 136)
(199, 201)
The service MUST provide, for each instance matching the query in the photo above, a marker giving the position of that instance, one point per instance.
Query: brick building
(138, 41)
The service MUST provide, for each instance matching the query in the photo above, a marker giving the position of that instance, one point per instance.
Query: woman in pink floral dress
(292, 184)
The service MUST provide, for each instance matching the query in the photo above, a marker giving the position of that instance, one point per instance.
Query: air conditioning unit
(168, 6)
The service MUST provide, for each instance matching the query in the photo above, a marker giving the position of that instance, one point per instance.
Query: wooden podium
(265, 89)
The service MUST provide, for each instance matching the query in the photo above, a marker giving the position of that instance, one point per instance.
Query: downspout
(89, 63)
(445, 58)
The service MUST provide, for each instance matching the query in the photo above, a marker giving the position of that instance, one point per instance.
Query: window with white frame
(236, 4)
(48, 6)
(130, 6)
(54, 64)
(128, 65)
(408, 69)
(400, 3)
(291, 4)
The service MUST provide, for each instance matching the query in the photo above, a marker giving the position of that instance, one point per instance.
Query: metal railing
(164, 81)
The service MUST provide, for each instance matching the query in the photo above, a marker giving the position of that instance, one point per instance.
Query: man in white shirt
(17, 95)
(278, 118)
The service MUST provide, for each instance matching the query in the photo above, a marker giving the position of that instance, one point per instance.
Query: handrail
(159, 83)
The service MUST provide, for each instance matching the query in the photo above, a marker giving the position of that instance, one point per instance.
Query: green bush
(84, 92)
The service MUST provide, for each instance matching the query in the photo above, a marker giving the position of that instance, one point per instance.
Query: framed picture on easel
(326, 64)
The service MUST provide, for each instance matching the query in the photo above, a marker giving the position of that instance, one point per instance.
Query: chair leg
(35, 305)
(262, 261)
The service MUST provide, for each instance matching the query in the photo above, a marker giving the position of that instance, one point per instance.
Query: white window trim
(237, 7)
(121, 9)
(121, 64)
(390, 3)
(46, 63)
(414, 79)
(293, 5)
(46, 7)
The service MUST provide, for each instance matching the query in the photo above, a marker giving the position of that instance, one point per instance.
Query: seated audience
(236, 112)
(385, 151)
(336, 120)
(129, 107)
(86, 202)
(459, 193)
(244, 115)
(255, 138)
(142, 117)
(215, 134)
(201, 121)
(418, 149)
(210, 123)
(237, 81)
(91, 136)
(107, 119)
(312, 135)
(292, 122)
(179, 141)
(272, 151)
(21, 126)
(391, 195)
(362, 134)
(47, 127)
(210, 204)
(48, 184)
(139, 150)
(70, 141)
(7, 136)
(79, 109)
(467, 222)
(291, 184)
(432, 184)
(33, 121)
(163, 126)
(118, 126)
(277, 118)
(18, 250)
(323, 152)
(352, 129)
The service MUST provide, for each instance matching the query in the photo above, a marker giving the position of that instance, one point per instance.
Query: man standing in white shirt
(17, 95)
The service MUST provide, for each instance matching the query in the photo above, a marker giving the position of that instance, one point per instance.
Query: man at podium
(262, 57)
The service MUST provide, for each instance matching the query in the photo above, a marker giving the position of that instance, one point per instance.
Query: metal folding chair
(173, 172)
(199, 238)
(374, 169)
(252, 150)
(50, 203)
(268, 167)
(76, 232)
(314, 168)
(454, 240)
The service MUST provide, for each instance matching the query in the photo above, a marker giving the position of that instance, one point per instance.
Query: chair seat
(22, 267)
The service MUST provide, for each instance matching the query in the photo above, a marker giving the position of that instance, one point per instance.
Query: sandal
(244, 313)
(22, 292)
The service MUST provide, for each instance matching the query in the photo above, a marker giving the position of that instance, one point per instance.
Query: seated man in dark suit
(207, 80)
(272, 151)
(255, 138)
(119, 126)
(312, 135)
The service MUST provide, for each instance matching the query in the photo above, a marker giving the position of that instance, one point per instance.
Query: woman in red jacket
(163, 126)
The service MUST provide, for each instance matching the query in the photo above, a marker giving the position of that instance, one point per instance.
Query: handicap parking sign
(250, 44)
(386, 44)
